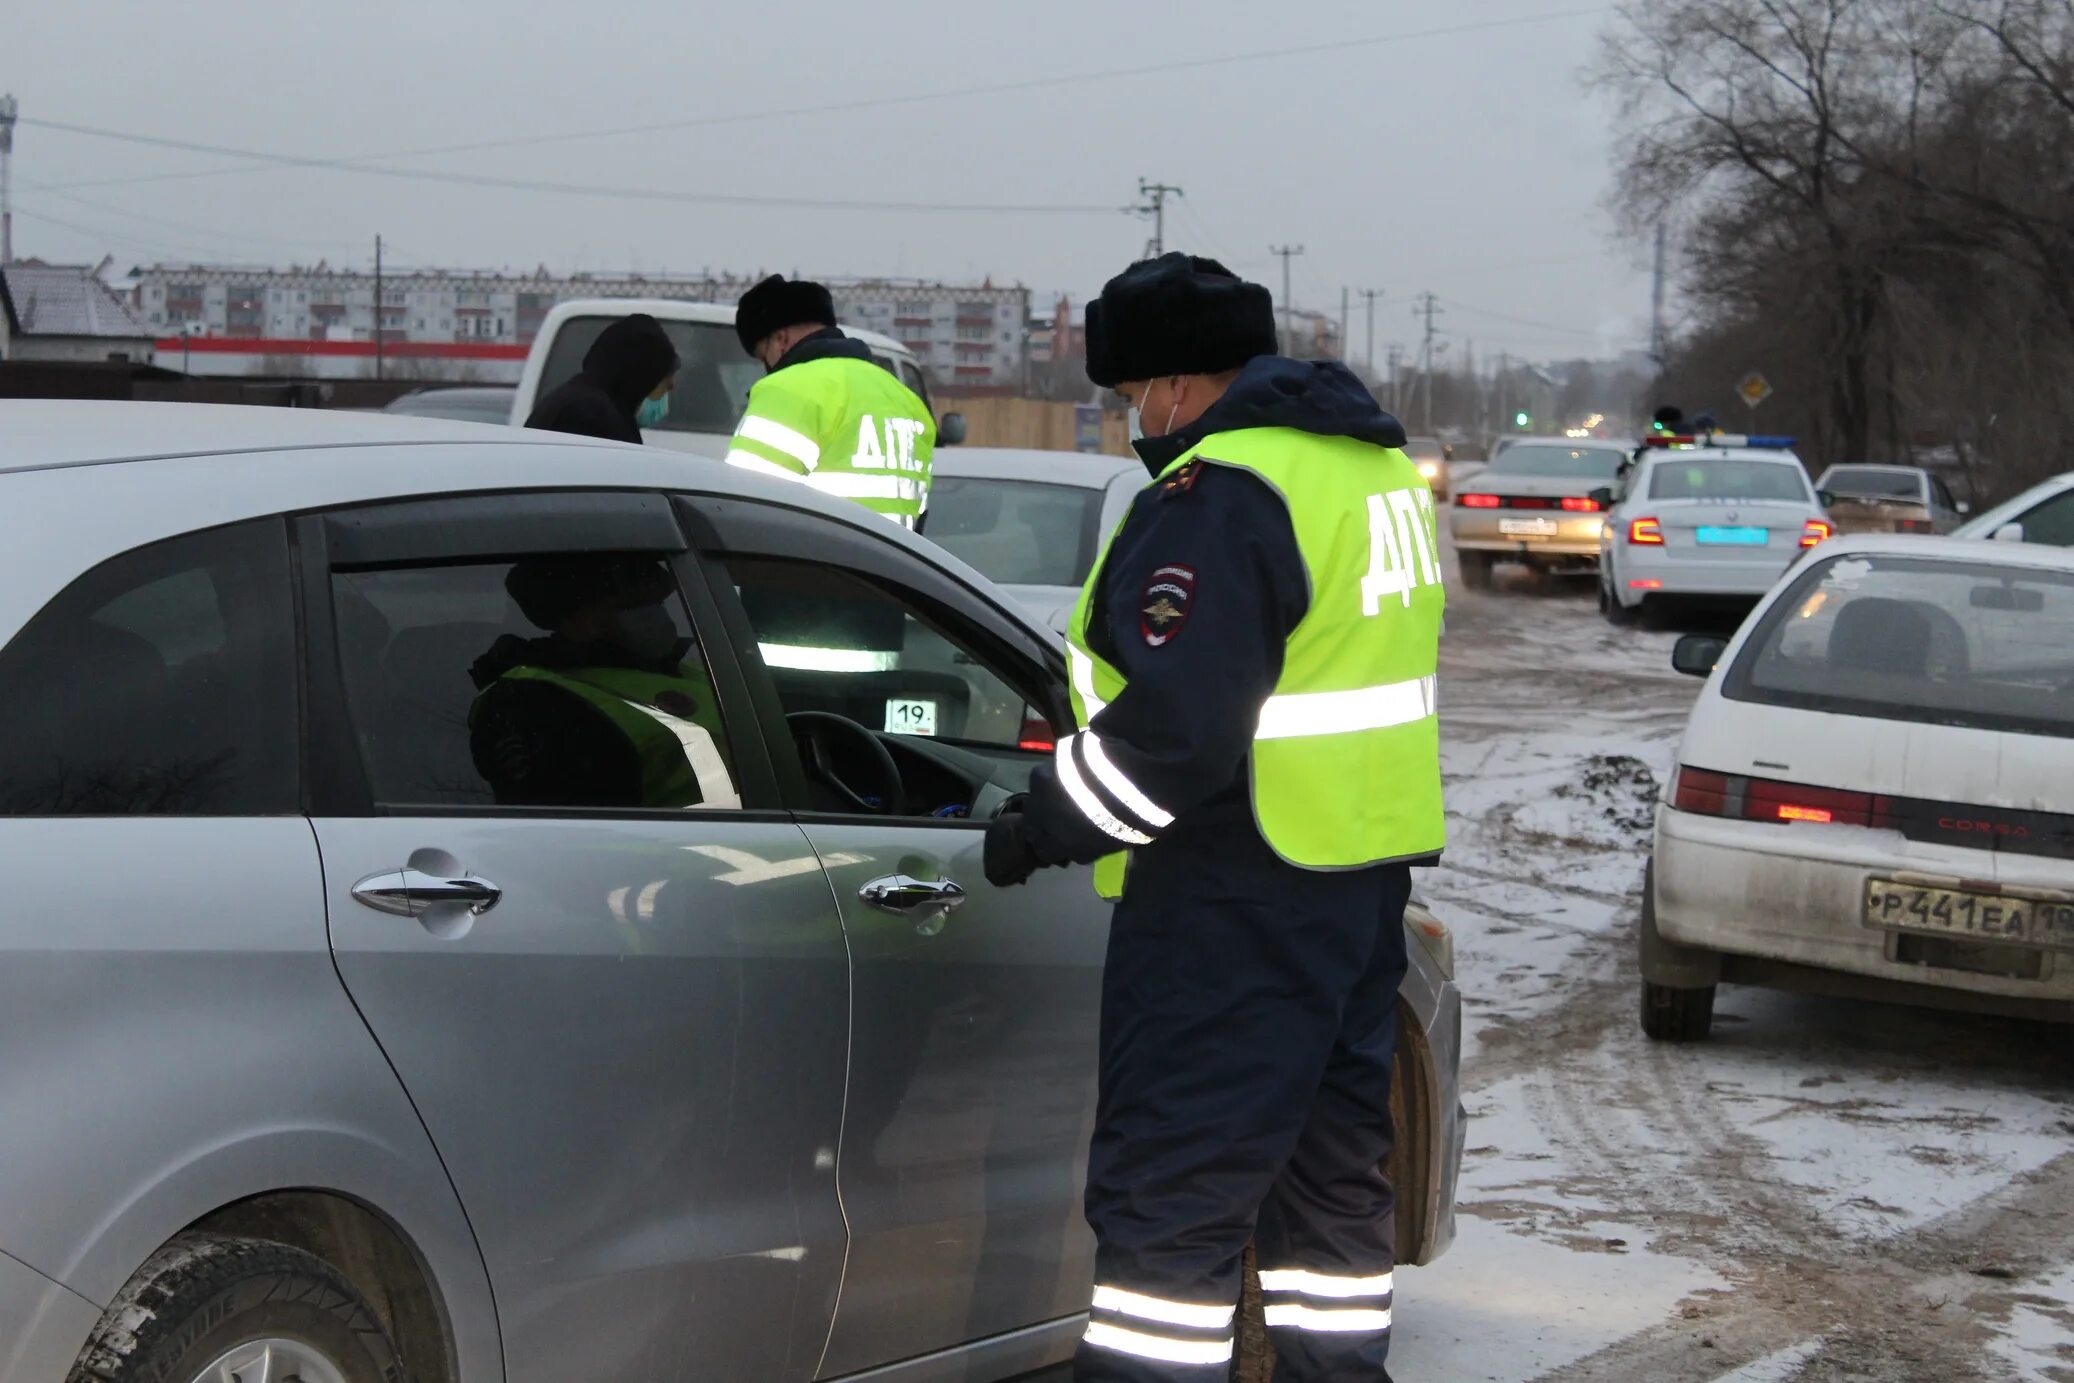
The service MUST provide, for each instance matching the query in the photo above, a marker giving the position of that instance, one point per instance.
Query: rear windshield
(1910, 638)
(1560, 463)
(713, 376)
(1874, 484)
(1018, 532)
(1725, 479)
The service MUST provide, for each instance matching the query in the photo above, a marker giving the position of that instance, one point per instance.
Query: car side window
(161, 683)
(562, 680)
(2052, 522)
(1941, 494)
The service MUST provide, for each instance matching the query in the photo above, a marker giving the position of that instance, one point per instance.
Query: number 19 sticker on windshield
(910, 716)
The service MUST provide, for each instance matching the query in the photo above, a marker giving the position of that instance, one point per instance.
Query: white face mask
(1137, 419)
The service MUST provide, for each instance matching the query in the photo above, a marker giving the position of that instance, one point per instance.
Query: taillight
(1763, 799)
(1814, 531)
(1477, 501)
(1645, 533)
(1036, 735)
(1915, 526)
(1580, 504)
(1696, 790)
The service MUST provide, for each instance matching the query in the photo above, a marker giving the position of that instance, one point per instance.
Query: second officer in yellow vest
(827, 413)
(1256, 768)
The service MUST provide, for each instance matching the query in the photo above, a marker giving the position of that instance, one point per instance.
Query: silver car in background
(1032, 522)
(341, 1046)
(1533, 505)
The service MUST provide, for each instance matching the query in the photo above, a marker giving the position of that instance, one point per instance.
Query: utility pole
(1287, 252)
(378, 307)
(9, 108)
(1343, 323)
(1427, 306)
(1659, 347)
(1155, 195)
(1396, 393)
(1504, 415)
(1370, 295)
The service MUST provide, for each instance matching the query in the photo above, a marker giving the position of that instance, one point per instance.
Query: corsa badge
(1164, 606)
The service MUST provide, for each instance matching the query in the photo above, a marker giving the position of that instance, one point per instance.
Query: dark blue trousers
(1248, 1025)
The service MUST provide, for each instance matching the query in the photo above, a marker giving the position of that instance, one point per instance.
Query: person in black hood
(1253, 681)
(624, 384)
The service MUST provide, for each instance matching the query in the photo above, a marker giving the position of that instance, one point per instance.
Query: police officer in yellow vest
(1256, 769)
(613, 708)
(826, 413)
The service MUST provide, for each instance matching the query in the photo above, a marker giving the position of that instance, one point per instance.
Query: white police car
(1699, 516)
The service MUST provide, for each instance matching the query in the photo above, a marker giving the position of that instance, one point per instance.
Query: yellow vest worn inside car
(846, 427)
(1345, 764)
(680, 758)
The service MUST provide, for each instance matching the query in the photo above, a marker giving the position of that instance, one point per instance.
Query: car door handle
(927, 903)
(408, 892)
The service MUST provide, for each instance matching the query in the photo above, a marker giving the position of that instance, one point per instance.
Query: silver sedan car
(1031, 521)
(369, 1016)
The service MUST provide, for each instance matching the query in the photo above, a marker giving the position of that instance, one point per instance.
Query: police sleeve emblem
(1164, 606)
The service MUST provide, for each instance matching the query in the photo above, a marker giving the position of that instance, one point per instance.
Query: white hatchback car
(2042, 514)
(1725, 518)
(1875, 793)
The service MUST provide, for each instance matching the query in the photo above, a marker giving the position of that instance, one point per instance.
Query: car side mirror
(1696, 654)
(1603, 497)
(2009, 533)
(950, 430)
(1962, 507)
(1826, 498)
(1447, 451)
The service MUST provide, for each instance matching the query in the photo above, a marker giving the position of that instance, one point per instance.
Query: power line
(263, 158)
(186, 226)
(647, 194)
(1461, 306)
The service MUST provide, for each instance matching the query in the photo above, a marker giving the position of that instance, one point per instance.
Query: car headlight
(1429, 469)
(1434, 936)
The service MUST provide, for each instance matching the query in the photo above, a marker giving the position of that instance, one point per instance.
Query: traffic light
(1521, 419)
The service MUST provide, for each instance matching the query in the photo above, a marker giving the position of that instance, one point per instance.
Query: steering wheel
(814, 731)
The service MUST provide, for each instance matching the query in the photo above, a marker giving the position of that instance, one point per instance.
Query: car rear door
(625, 1028)
(971, 1092)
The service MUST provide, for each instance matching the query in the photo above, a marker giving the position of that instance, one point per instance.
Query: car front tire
(209, 1306)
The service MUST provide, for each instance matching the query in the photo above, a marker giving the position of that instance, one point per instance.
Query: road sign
(1754, 388)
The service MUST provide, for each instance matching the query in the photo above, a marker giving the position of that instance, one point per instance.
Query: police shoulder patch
(1165, 603)
(1183, 479)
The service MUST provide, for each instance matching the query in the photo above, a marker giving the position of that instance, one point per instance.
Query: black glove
(1009, 860)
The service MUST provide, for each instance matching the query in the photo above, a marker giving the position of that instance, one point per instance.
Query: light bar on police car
(1719, 439)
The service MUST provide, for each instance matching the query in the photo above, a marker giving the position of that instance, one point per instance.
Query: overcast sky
(1473, 164)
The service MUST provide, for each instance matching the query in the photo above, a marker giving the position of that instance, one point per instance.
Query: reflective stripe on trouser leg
(1159, 1332)
(1331, 1303)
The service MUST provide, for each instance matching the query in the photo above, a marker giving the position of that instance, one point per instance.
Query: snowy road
(1825, 1190)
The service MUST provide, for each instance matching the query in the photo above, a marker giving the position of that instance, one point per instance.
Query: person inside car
(612, 708)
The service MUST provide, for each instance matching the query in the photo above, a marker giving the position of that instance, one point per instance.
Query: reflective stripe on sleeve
(1090, 805)
(1103, 1335)
(1300, 714)
(1083, 669)
(1316, 1284)
(1289, 1316)
(750, 461)
(1166, 1312)
(779, 437)
(1121, 787)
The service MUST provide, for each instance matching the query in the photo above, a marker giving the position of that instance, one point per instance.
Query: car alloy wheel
(272, 1361)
